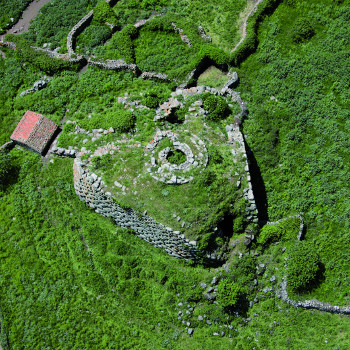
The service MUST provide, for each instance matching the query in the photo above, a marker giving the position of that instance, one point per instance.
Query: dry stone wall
(306, 304)
(89, 189)
(312, 304)
(116, 65)
(77, 29)
(234, 135)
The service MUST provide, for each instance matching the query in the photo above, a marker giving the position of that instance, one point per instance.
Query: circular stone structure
(175, 174)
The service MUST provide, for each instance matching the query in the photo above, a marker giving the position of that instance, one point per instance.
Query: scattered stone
(215, 280)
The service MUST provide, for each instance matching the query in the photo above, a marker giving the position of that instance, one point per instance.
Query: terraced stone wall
(89, 189)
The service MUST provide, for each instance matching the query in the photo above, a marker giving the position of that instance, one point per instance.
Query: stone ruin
(173, 174)
(90, 188)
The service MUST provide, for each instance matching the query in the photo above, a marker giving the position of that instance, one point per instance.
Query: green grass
(213, 77)
(297, 129)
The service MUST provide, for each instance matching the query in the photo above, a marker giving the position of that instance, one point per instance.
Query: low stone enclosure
(165, 171)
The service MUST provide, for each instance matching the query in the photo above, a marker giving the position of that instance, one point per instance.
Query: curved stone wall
(312, 304)
(76, 30)
(306, 304)
(173, 174)
(89, 189)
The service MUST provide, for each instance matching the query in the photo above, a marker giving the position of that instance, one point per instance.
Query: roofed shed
(34, 132)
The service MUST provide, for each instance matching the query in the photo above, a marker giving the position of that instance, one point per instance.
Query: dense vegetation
(71, 279)
(297, 128)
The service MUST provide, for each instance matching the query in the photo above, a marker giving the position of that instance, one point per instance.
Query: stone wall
(234, 135)
(306, 304)
(76, 30)
(8, 146)
(183, 36)
(116, 65)
(38, 85)
(203, 35)
(89, 189)
(312, 304)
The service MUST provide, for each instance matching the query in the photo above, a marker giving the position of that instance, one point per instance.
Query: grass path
(28, 15)
(252, 6)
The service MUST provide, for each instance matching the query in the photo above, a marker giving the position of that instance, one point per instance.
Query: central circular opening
(176, 157)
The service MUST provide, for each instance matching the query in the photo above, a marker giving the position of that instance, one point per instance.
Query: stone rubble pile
(131, 105)
(64, 152)
(38, 85)
(183, 36)
(167, 109)
(156, 76)
(203, 35)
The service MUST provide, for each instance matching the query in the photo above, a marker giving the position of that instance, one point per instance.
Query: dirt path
(252, 6)
(29, 13)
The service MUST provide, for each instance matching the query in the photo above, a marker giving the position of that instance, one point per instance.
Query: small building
(35, 132)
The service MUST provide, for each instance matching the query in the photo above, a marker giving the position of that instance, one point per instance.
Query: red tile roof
(26, 126)
(34, 131)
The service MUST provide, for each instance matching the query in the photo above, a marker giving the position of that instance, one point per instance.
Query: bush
(8, 169)
(302, 30)
(228, 294)
(286, 230)
(303, 267)
(270, 234)
(215, 156)
(216, 106)
(151, 4)
(177, 157)
(215, 54)
(103, 13)
(123, 120)
(40, 60)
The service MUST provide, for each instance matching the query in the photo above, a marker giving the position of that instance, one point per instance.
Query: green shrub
(286, 230)
(123, 120)
(217, 55)
(103, 13)
(176, 157)
(270, 234)
(303, 267)
(302, 30)
(228, 294)
(215, 156)
(159, 24)
(151, 4)
(238, 224)
(216, 106)
(122, 42)
(8, 169)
